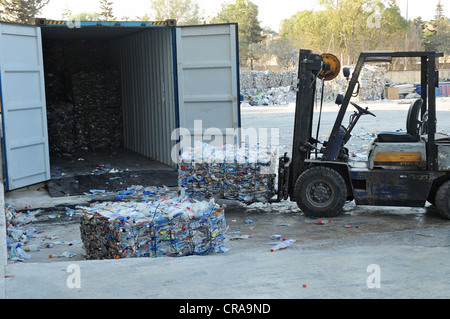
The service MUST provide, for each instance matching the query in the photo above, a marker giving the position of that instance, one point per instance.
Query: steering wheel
(361, 110)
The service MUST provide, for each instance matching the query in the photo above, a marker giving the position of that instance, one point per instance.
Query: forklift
(406, 168)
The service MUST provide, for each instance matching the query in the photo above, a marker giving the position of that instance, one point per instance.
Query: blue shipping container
(442, 90)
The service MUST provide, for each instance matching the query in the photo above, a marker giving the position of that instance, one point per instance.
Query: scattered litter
(425, 235)
(284, 244)
(323, 222)
(237, 237)
(97, 191)
(18, 232)
(64, 254)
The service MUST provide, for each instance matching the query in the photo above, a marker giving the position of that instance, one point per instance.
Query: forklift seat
(412, 127)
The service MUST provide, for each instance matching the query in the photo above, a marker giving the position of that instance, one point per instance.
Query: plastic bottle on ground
(284, 244)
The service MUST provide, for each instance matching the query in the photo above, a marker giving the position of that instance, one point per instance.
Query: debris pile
(246, 174)
(23, 239)
(18, 233)
(171, 226)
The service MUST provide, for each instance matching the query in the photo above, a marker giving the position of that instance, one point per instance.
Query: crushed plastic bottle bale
(171, 226)
(223, 172)
(260, 88)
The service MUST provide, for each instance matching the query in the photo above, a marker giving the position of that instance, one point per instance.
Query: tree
(245, 13)
(186, 12)
(347, 27)
(437, 32)
(348, 20)
(283, 50)
(106, 11)
(22, 11)
(81, 16)
(87, 16)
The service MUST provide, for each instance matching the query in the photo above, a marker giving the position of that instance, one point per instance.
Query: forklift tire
(443, 200)
(320, 192)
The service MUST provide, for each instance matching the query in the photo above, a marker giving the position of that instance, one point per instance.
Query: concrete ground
(367, 252)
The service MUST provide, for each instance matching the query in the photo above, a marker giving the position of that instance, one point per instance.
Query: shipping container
(442, 90)
(99, 86)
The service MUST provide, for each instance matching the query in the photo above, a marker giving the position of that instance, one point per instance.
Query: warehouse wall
(145, 61)
(412, 76)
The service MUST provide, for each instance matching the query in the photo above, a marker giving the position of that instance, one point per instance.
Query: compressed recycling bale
(246, 174)
(268, 88)
(371, 84)
(278, 88)
(61, 127)
(98, 109)
(172, 226)
(86, 55)
(83, 97)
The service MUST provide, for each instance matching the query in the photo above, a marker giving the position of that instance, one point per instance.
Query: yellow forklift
(406, 168)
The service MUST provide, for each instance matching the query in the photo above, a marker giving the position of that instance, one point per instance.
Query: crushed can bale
(171, 226)
(245, 174)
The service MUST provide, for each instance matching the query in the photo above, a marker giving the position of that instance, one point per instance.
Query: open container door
(208, 80)
(24, 117)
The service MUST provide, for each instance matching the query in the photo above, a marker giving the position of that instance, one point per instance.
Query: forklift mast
(310, 65)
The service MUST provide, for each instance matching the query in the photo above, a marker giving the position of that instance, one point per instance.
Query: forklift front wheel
(442, 200)
(320, 192)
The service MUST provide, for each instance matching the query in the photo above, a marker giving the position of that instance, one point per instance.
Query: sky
(271, 12)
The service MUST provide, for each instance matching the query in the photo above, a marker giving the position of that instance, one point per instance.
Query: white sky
(271, 12)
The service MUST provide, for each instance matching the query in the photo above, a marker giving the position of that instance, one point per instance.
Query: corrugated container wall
(145, 60)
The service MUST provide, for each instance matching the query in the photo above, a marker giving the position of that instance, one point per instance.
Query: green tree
(106, 11)
(245, 13)
(22, 11)
(67, 14)
(347, 27)
(186, 12)
(283, 50)
(437, 32)
(348, 21)
(297, 29)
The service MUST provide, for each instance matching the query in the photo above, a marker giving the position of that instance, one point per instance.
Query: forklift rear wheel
(443, 200)
(320, 192)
